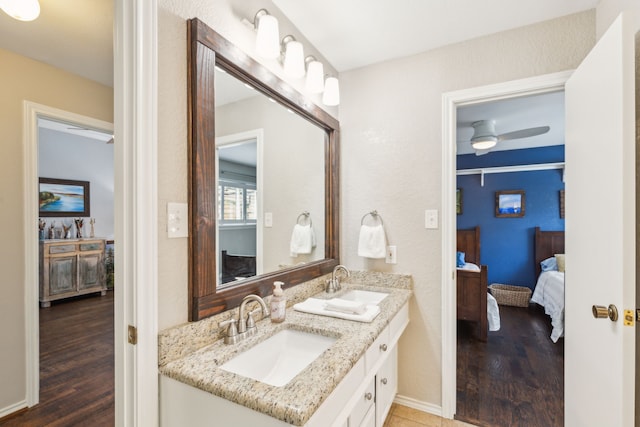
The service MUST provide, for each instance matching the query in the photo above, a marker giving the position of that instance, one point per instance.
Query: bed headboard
(468, 241)
(547, 244)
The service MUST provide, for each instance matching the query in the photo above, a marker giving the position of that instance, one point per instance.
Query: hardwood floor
(516, 378)
(76, 365)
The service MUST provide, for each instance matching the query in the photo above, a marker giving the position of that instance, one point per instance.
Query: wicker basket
(517, 296)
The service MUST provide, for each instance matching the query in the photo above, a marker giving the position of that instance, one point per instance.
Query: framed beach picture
(510, 204)
(64, 197)
(459, 201)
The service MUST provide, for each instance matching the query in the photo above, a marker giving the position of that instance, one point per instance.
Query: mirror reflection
(270, 184)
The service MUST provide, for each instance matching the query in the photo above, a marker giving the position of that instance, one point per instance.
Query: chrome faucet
(240, 328)
(333, 284)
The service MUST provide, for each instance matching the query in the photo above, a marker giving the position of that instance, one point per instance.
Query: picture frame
(458, 201)
(63, 198)
(510, 204)
(561, 203)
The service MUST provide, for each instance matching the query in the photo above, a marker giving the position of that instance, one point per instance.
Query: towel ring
(374, 214)
(304, 214)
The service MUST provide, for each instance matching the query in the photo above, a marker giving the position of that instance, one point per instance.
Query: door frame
(31, 113)
(450, 102)
(135, 217)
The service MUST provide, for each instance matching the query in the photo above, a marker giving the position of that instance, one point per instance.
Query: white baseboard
(419, 405)
(12, 408)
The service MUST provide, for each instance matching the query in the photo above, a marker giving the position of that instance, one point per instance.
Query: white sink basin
(279, 358)
(367, 297)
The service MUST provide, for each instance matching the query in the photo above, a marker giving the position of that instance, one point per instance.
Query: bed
(549, 290)
(471, 286)
(235, 267)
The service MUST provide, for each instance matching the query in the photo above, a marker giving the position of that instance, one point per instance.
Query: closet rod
(506, 169)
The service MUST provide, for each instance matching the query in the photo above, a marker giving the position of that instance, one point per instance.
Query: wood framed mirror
(207, 52)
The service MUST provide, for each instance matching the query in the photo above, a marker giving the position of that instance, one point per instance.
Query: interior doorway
(515, 370)
(451, 102)
(34, 114)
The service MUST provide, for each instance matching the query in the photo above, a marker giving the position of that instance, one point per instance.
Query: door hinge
(133, 335)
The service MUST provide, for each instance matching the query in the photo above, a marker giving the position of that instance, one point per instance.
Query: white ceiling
(355, 33)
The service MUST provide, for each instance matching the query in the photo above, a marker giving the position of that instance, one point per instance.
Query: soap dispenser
(278, 303)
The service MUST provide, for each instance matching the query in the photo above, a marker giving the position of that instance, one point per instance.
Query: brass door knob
(602, 312)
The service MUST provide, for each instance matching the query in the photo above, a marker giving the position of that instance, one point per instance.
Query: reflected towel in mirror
(303, 240)
(372, 242)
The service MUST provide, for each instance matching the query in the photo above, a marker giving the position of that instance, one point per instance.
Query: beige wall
(391, 120)
(24, 79)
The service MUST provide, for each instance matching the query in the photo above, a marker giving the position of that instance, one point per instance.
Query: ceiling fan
(485, 137)
(108, 141)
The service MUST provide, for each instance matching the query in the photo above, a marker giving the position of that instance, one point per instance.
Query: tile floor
(403, 416)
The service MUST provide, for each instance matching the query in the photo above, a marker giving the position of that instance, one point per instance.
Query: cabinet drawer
(95, 246)
(61, 249)
(363, 405)
(377, 349)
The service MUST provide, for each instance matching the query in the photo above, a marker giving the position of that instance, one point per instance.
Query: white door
(600, 231)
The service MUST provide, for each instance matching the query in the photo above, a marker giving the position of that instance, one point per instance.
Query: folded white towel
(493, 313)
(303, 240)
(346, 306)
(372, 242)
(318, 306)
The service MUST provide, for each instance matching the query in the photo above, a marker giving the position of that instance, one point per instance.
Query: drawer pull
(383, 381)
(368, 396)
(383, 347)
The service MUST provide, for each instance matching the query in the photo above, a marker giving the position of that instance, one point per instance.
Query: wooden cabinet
(71, 267)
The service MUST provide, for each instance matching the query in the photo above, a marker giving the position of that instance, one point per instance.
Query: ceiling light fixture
(22, 10)
(484, 135)
(293, 57)
(331, 95)
(268, 37)
(315, 75)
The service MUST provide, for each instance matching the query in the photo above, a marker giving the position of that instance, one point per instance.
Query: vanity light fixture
(331, 95)
(315, 75)
(268, 37)
(22, 10)
(293, 57)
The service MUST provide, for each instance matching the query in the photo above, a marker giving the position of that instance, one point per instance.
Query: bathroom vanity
(352, 383)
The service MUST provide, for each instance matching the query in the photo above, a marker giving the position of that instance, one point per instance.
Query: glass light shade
(331, 96)
(315, 77)
(268, 37)
(294, 60)
(484, 143)
(22, 10)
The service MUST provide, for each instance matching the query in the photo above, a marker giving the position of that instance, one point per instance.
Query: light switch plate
(268, 219)
(177, 220)
(431, 218)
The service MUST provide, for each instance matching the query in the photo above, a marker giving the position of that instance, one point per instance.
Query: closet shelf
(506, 169)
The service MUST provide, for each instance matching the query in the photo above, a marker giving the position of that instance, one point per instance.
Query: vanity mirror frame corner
(206, 50)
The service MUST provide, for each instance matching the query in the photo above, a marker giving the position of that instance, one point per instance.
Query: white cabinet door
(600, 231)
(386, 386)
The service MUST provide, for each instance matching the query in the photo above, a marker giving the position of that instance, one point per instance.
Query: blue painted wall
(507, 244)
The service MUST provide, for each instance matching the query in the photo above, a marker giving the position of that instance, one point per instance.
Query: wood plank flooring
(76, 365)
(514, 379)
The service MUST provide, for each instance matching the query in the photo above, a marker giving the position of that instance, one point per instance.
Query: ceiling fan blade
(110, 141)
(524, 133)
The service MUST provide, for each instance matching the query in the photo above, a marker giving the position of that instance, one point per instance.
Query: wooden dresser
(71, 267)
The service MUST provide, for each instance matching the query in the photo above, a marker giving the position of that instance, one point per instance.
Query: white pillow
(469, 266)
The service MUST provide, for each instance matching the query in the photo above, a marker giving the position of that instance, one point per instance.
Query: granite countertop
(298, 400)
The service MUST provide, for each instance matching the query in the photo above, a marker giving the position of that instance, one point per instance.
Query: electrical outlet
(392, 255)
(177, 220)
(431, 218)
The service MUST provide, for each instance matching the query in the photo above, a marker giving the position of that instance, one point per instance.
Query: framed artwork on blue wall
(510, 204)
(459, 201)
